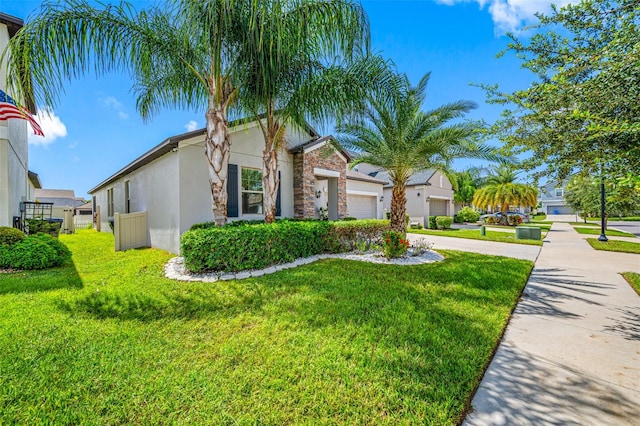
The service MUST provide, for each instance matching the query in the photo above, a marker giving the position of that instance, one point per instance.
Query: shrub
(467, 214)
(237, 248)
(432, 222)
(36, 226)
(34, 252)
(10, 236)
(394, 244)
(514, 220)
(444, 222)
(491, 220)
(415, 225)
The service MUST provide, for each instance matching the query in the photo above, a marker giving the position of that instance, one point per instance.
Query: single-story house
(170, 182)
(429, 193)
(551, 197)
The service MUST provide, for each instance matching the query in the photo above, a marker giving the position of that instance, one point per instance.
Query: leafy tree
(287, 78)
(502, 190)
(581, 112)
(396, 135)
(583, 194)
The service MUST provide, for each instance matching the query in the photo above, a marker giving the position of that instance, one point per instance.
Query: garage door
(560, 210)
(438, 207)
(361, 206)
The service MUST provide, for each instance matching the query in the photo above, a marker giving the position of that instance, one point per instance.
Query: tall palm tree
(466, 183)
(396, 135)
(503, 190)
(287, 79)
(182, 55)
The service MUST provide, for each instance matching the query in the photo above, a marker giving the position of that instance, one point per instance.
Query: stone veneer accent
(304, 180)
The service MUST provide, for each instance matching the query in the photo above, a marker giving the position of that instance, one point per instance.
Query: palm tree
(183, 55)
(465, 185)
(503, 190)
(396, 135)
(287, 79)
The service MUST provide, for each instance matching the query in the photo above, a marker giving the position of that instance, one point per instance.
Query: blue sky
(95, 129)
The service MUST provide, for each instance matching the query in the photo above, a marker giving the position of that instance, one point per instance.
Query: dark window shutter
(278, 206)
(232, 191)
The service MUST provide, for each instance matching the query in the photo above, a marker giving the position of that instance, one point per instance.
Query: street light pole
(602, 236)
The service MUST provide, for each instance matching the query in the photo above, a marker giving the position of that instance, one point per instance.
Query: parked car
(525, 217)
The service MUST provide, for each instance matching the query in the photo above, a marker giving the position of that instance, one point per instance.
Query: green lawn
(474, 234)
(614, 218)
(614, 245)
(633, 278)
(538, 218)
(109, 340)
(584, 224)
(612, 232)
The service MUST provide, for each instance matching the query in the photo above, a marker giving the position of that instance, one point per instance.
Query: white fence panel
(130, 230)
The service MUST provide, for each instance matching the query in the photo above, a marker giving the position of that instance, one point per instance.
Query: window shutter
(232, 191)
(278, 206)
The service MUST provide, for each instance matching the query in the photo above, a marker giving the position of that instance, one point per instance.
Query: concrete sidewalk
(571, 352)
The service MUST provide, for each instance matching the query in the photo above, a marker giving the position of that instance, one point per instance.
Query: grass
(633, 278)
(611, 232)
(474, 234)
(108, 340)
(583, 224)
(615, 218)
(538, 218)
(614, 245)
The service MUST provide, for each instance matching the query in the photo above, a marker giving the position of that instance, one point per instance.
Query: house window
(127, 198)
(559, 192)
(110, 202)
(251, 191)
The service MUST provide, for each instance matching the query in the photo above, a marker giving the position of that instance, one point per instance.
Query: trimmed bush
(467, 214)
(237, 248)
(37, 226)
(432, 222)
(10, 236)
(491, 220)
(38, 251)
(514, 220)
(444, 222)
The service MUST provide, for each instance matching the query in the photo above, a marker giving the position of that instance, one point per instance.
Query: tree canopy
(581, 112)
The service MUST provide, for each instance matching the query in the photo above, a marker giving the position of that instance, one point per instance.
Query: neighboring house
(429, 193)
(16, 182)
(170, 182)
(62, 199)
(552, 198)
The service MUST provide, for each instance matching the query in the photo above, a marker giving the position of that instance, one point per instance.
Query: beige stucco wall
(357, 187)
(14, 181)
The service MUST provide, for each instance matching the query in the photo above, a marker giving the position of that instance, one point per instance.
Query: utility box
(528, 233)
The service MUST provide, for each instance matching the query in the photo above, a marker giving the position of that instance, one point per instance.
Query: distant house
(170, 182)
(552, 198)
(429, 193)
(17, 183)
(61, 198)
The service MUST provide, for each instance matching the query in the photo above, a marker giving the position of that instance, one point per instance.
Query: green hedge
(10, 236)
(236, 248)
(37, 251)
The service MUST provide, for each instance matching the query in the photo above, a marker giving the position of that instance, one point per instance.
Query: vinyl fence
(130, 230)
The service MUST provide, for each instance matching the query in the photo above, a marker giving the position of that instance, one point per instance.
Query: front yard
(493, 233)
(109, 340)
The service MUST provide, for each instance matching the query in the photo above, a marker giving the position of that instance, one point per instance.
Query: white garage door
(560, 210)
(361, 206)
(438, 207)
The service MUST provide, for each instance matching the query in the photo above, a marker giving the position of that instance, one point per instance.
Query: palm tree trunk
(503, 219)
(270, 180)
(398, 208)
(217, 148)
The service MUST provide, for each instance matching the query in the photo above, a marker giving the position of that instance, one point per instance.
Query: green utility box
(528, 233)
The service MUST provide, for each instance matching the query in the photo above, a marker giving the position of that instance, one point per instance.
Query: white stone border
(175, 270)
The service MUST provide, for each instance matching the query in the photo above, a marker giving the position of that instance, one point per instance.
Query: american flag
(9, 109)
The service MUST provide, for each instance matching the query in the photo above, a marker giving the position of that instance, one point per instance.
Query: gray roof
(353, 175)
(61, 202)
(419, 178)
(325, 139)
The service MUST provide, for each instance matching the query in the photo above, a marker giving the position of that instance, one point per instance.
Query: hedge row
(37, 251)
(256, 246)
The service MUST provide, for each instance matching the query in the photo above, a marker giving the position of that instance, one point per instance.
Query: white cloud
(113, 104)
(191, 126)
(513, 15)
(52, 127)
